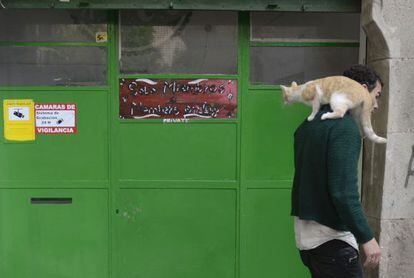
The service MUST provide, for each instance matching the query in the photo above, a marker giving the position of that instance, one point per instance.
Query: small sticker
(55, 118)
(175, 120)
(19, 120)
(101, 36)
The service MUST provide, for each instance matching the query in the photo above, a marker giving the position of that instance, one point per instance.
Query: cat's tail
(365, 117)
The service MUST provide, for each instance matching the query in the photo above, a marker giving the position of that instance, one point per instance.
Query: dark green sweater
(325, 184)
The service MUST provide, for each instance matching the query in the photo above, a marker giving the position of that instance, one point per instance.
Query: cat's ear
(285, 94)
(294, 84)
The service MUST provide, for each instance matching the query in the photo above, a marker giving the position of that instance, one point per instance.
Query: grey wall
(388, 189)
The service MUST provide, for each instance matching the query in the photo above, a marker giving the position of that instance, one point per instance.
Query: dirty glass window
(53, 47)
(48, 65)
(52, 25)
(282, 65)
(202, 42)
(290, 46)
(305, 26)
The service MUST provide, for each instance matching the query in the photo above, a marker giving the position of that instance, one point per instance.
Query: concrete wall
(388, 183)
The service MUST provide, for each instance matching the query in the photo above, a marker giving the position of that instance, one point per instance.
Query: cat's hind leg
(356, 114)
(339, 105)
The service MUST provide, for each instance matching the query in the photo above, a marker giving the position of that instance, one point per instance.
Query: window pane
(51, 25)
(305, 26)
(178, 42)
(282, 65)
(29, 65)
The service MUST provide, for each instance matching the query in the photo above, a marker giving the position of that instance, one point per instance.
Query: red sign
(166, 99)
(55, 118)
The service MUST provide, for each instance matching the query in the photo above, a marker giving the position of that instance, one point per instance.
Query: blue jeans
(333, 259)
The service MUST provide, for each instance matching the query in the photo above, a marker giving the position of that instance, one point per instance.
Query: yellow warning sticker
(101, 36)
(19, 122)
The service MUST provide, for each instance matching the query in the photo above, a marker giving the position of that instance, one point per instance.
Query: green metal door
(54, 191)
(176, 184)
(207, 197)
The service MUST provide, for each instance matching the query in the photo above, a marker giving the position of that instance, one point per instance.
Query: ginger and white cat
(342, 93)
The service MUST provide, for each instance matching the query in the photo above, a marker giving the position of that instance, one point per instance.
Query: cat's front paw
(310, 118)
(325, 116)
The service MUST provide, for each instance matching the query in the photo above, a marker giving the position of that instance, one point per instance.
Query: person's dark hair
(363, 75)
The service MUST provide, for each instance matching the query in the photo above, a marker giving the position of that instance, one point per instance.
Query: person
(329, 222)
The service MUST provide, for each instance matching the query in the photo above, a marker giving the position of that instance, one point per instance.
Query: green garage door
(181, 161)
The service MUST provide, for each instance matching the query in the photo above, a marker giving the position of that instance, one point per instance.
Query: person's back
(325, 185)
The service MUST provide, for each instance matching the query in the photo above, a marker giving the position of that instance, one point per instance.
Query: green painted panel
(245, 5)
(175, 233)
(270, 250)
(82, 156)
(51, 240)
(191, 151)
(268, 128)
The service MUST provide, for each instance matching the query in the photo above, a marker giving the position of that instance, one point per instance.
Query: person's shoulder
(345, 125)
